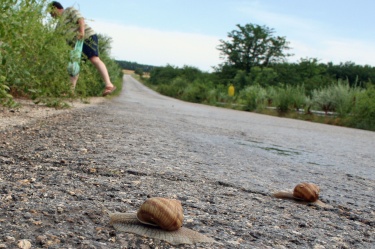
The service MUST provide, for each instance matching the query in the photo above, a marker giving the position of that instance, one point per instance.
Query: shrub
(163, 75)
(34, 55)
(218, 95)
(336, 97)
(287, 97)
(196, 92)
(322, 100)
(364, 110)
(253, 98)
(173, 89)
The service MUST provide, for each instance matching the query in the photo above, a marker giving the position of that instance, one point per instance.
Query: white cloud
(159, 48)
(334, 50)
(343, 50)
(313, 38)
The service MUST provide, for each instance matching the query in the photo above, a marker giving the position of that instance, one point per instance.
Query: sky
(188, 32)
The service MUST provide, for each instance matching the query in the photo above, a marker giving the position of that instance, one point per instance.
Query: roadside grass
(230, 103)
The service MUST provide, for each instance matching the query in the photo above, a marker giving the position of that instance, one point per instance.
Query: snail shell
(162, 212)
(306, 191)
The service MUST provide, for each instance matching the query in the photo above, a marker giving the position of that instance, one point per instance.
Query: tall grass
(364, 109)
(252, 98)
(286, 98)
(339, 98)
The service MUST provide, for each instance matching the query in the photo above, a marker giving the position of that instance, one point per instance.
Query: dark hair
(57, 5)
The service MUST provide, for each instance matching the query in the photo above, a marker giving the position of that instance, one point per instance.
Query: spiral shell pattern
(165, 213)
(306, 191)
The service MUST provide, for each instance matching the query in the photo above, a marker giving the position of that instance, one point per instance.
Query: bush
(217, 94)
(35, 55)
(163, 75)
(175, 88)
(337, 97)
(5, 98)
(287, 97)
(35, 59)
(322, 100)
(196, 92)
(253, 98)
(364, 110)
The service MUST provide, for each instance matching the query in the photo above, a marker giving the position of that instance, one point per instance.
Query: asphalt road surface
(58, 174)
(264, 153)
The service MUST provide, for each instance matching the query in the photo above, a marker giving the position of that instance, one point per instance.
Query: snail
(307, 192)
(165, 213)
(158, 218)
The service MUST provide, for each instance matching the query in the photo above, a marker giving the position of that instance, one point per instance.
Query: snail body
(163, 218)
(165, 213)
(304, 191)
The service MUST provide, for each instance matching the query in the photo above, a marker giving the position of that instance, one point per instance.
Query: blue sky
(182, 32)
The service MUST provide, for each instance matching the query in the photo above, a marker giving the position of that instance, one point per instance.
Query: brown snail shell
(306, 191)
(165, 213)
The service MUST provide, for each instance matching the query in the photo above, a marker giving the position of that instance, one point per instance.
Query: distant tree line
(255, 64)
(129, 65)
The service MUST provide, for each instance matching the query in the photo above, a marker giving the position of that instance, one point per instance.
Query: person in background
(76, 28)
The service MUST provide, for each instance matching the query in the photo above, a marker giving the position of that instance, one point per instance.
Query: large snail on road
(158, 218)
(162, 212)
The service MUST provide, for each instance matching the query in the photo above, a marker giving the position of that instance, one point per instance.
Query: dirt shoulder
(28, 112)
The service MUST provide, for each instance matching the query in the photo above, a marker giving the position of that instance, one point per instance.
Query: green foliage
(197, 91)
(139, 71)
(263, 76)
(343, 97)
(218, 94)
(338, 97)
(187, 83)
(175, 88)
(364, 110)
(253, 98)
(241, 80)
(286, 98)
(224, 73)
(163, 75)
(258, 76)
(357, 75)
(307, 71)
(322, 100)
(190, 84)
(5, 98)
(35, 54)
(35, 58)
(253, 45)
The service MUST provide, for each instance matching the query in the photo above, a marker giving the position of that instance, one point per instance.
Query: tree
(253, 45)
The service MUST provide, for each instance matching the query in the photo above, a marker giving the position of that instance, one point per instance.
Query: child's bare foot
(109, 90)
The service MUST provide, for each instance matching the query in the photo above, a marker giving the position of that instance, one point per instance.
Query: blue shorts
(91, 47)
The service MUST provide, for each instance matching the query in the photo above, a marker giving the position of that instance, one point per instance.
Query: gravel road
(58, 174)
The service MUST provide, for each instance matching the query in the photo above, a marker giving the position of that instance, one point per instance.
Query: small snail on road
(308, 192)
(158, 218)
